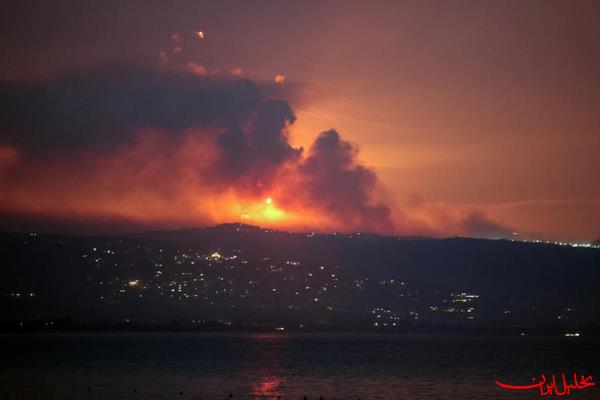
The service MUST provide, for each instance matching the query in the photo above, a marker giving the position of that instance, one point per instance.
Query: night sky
(475, 118)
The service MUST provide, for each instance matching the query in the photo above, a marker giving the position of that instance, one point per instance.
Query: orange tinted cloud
(236, 71)
(158, 181)
(162, 181)
(196, 68)
(158, 150)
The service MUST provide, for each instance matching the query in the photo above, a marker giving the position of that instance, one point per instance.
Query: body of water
(259, 366)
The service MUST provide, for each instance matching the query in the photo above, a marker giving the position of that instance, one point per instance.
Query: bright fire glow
(131, 199)
(265, 211)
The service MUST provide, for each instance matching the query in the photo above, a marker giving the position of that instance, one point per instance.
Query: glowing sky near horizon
(457, 106)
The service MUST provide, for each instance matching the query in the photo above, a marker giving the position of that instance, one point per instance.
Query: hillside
(247, 276)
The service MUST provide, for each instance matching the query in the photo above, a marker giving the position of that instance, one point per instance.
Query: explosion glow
(205, 116)
(190, 169)
(264, 213)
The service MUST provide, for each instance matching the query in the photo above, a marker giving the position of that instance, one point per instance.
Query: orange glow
(268, 387)
(236, 71)
(121, 188)
(509, 125)
(263, 213)
(196, 68)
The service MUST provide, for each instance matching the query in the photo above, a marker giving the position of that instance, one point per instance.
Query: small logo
(552, 387)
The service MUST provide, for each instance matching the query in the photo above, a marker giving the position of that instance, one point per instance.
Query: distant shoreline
(444, 332)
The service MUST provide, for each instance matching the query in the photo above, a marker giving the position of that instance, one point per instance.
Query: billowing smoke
(165, 146)
(103, 109)
(335, 181)
(129, 148)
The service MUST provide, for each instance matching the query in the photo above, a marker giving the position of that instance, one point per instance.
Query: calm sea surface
(254, 366)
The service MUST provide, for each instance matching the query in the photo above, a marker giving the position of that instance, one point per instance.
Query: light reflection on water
(203, 366)
(267, 387)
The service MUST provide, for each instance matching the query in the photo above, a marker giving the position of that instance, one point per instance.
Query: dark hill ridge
(245, 275)
(451, 260)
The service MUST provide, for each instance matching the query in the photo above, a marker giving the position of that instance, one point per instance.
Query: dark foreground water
(249, 366)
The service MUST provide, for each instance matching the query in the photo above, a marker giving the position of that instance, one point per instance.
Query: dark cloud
(266, 147)
(107, 107)
(346, 189)
(114, 143)
(103, 112)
